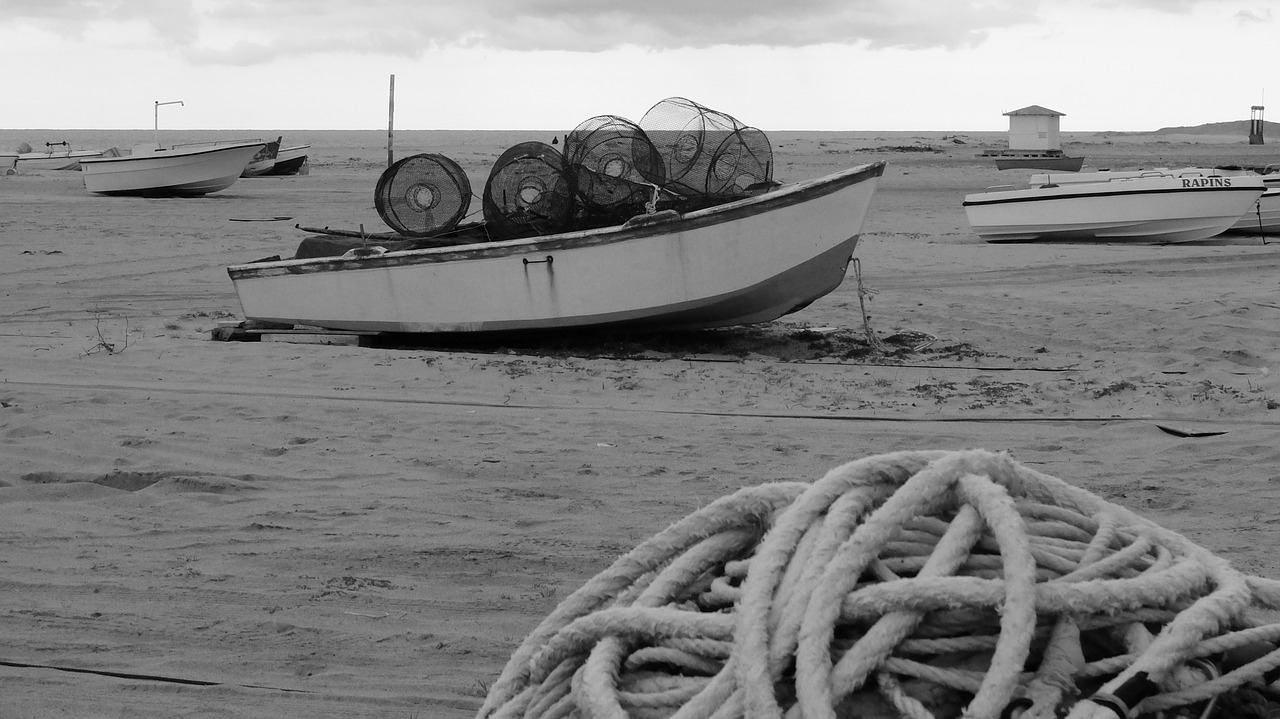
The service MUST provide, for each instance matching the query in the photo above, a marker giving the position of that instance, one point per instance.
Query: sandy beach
(196, 528)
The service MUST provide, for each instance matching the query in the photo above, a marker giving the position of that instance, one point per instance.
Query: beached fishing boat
(1152, 207)
(748, 260)
(63, 159)
(263, 161)
(152, 170)
(1035, 160)
(289, 161)
(1060, 163)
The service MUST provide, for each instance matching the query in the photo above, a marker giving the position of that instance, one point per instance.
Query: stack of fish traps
(916, 584)
(681, 156)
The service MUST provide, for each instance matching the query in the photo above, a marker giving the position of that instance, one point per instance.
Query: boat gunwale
(169, 154)
(785, 196)
(1084, 193)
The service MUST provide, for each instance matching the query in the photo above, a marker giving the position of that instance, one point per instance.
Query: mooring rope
(914, 584)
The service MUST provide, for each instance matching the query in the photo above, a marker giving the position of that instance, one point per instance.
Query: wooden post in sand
(391, 115)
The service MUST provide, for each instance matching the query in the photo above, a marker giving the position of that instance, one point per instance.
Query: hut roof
(1035, 110)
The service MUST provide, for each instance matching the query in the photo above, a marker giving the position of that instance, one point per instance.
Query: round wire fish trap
(615, 147)
(602, 200)
(742, 162)
(687, 136)
(913, 584)
(422, 195)
(612, 163)
(529, 192)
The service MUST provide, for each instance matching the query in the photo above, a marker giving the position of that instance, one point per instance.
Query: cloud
(1250, 16)
(249, 31)
(173, 20)
(592, 26)
(253, 32)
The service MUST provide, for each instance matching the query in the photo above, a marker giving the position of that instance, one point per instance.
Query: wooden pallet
(251, 331)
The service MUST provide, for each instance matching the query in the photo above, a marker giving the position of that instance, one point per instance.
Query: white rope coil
(915, 584)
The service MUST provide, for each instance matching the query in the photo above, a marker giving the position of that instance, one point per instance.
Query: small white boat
(745, 261)
(1152, 207)
(65, 159)
(152, 170)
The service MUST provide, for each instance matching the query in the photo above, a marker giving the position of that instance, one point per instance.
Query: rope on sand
(915, 584)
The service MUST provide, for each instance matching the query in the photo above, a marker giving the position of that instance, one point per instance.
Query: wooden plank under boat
(1152, 208)
(746, 261)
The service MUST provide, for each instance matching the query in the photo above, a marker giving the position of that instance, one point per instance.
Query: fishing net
(691, 139)
(913, 584)
(529, 192)
(422, 195)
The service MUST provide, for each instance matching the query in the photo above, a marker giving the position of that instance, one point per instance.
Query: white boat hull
(1158, 209)
(160, 172)
(747, 261)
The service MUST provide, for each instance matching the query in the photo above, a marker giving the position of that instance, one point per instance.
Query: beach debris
(912, 584)
(1189, 432)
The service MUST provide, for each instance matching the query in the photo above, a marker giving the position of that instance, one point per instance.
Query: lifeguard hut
(1255, 125)
(1034, 129)
(1034, 142)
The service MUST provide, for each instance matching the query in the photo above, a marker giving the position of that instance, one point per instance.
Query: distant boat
(289, 161)
(263, 161)
(1264, 216)
(150, 170)
(744, 261)
(64, 159)
(1060, 163)
(1034, 160)
(1155, 207)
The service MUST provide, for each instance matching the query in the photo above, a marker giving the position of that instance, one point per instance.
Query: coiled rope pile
(914, 584)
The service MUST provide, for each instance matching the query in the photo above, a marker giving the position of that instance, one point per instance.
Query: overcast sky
(550, 64)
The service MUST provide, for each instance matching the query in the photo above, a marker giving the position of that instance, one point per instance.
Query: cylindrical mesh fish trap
(529, 192)
(687, 136)
(421, 195)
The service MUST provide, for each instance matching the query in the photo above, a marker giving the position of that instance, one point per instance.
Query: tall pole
(157, 128)
(391, 116)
